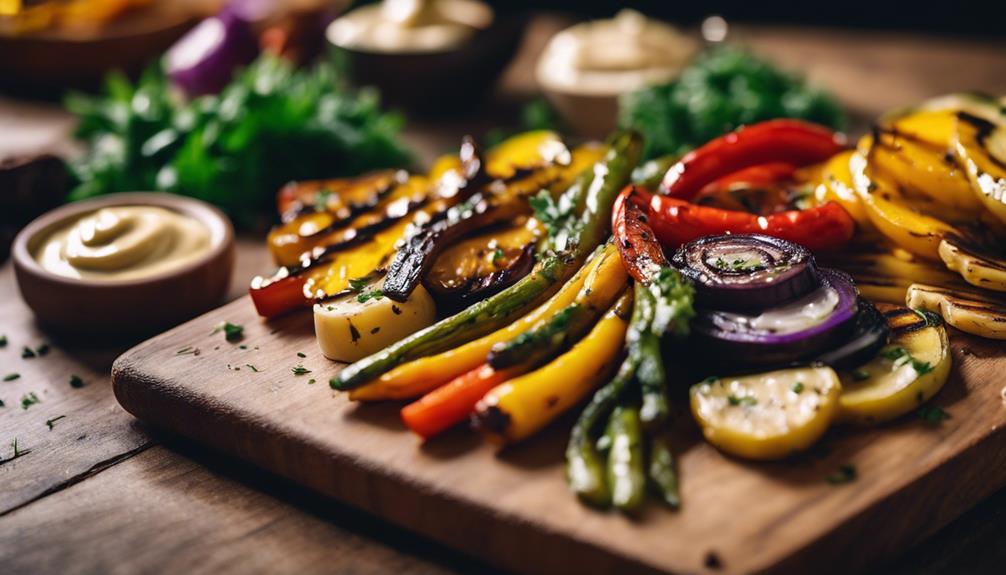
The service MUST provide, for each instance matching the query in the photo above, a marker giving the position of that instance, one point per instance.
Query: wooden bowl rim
(221, 236)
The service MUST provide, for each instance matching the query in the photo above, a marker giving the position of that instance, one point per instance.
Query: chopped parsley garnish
(18, 452)
(358, 284)
(188, 350)
(498, 255)
(2, 404)
(860, 374)
(932, 415)
(301, 354)
(42, 349)
(27, 352)
(50, 422)
(252, 367)
(300, 370)
(232, 331)
(242, 346)
(900, 357)
(29, 399)
(3, 341)
(746, 400)
(797, 387)
(310, 381)
(374, 294)
(738, 264)
(845, 474)
(76, 382)
(11, 376)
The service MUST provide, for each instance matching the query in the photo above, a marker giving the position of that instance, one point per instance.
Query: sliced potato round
(981, 313)
(974, 264)
(358, 325)
(906, 373)
(767, 415)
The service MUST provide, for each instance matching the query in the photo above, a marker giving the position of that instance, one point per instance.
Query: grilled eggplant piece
(500, 201)
(482, 265)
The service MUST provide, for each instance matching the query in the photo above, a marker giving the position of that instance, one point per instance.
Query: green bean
(626, 465)
(663, 472)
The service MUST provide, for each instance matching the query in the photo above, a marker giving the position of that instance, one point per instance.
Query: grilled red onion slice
(746, 271)
(799, 329)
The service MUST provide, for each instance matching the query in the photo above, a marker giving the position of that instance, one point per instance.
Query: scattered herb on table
(11, 376)
(2, 404)
(242, 346)
(311, 381)
(188, 350)
(845, 474)
(272, 124)
(27, 353)
(252, 367)
(42, 350)
(933, 415)
(29, 399)
(76, 381)
(723, 88)
(232, 331)
(300, 370)
(51, 422)
(3, 341)
(301, 354)
(18, 452)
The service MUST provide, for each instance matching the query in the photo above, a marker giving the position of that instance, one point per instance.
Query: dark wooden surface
(100, 493)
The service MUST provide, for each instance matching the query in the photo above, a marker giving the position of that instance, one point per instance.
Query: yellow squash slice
(906, 373)
(767, 415)
(977, 312)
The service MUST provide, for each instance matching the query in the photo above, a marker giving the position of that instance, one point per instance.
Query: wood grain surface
(461, 491)
(105, 466)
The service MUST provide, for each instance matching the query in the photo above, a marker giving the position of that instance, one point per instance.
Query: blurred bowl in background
(586, 67)
(50, 60)
(420, 76)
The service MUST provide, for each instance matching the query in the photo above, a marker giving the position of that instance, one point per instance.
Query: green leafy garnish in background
(720, 90)
(270, 125)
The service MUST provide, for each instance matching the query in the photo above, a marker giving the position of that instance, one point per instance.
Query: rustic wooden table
(95, 491)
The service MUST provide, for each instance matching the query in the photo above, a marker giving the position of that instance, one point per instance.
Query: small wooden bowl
(443, 82)
(125, 308)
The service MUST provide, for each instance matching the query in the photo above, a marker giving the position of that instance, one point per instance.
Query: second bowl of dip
(586, 67)
(124, 265)
(427, 56)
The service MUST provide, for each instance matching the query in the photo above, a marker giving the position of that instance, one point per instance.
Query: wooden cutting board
(512, 508)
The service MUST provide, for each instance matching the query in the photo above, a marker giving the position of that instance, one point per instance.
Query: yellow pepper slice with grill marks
(514, 410)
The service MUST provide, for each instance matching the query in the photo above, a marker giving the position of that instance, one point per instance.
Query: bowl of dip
(427, 56)
(586, 67)
(124, 265)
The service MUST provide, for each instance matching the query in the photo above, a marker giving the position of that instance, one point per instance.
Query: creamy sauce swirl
(123, 243)
(410, 25)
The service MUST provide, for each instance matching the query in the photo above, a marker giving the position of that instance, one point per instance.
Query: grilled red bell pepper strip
(675, 222)
(790, 141)
(757, 176)
(641, 253)
(279, 296)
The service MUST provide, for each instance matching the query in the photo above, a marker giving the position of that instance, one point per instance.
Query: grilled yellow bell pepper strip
(518, 408)
(428, 373)
(836, 184)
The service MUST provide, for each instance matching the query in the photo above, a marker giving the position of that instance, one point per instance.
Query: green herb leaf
(11, 376)
(310, 382)
(252, 367)
(300, 370)
(27, 352)
(29, 399)
(932, 415)
(845, 474)
(358, 284)
(42, 350)
(797, 387)
(188, 350)
(3, 341)
(301, 354)
(18, 452)
(232, 331)
(374, 294)
(745, 400)
(50, 422)
(76, 382)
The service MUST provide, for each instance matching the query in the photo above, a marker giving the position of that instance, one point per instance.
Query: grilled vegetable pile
(507, 288)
